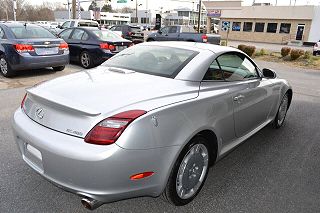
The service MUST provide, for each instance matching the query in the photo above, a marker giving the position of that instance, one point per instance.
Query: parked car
(316, 48)
(91, 46)
(132, 33)
(182, 33)
(149, 121)
(78, 23)
(29, 46)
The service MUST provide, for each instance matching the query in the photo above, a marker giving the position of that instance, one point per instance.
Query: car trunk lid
(74, 104)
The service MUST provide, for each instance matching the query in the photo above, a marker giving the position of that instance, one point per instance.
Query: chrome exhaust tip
(90, 203)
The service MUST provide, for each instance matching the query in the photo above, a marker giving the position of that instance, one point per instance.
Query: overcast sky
(172, 4)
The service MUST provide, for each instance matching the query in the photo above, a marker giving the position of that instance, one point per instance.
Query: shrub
(285, 51)
(241, 47)
(223, 43)
(296, 53)
(249, 50)
(261, 52)
(307, 55)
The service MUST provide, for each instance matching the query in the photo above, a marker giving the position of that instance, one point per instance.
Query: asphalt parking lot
(273, 171)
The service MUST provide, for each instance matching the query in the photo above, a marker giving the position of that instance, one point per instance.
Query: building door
(300, 30)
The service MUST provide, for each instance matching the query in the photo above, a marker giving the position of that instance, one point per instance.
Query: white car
(316, 48)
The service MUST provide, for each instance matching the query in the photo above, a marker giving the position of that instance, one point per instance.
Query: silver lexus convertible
(149, 121)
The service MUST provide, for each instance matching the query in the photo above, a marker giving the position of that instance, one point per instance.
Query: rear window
(154, 60)
(31, 32)
(88, 24)
(105, 34)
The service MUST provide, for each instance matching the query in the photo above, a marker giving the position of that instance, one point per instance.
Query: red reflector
(141, 175)
(109, 130)
(23, 48)
(23, 100)
(63, 46)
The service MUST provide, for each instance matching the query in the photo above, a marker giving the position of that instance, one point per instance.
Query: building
(143, 17)
(265, 23)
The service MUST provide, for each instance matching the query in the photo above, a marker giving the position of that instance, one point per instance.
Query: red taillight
(22, 48)
(130, 33)
(23, 100)
(107, 46)
(109, 130)
(204, 38)
(141, 175)
(131, 44)
(63, 46)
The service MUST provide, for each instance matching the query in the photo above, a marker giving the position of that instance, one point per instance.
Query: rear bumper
(99, 172)
(26, 61)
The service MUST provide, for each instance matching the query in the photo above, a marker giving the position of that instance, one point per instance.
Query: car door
(162, 34)
(75, 43)
(173, 33)
(65, 35)
(252, 100)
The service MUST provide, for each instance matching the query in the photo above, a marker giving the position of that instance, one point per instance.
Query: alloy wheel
(192, 171)
(85, 59)
(3, 66)
(283, 109)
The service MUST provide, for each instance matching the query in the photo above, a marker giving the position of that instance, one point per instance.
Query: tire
(282, 112)
(5, 68)
(314, 53)
(57, 69)
(86, 60)
(189, 173)
(150, 40)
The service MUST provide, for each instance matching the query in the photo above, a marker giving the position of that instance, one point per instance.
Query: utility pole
(14, 10)
(74, 11)
(199, 16)
(137, 12)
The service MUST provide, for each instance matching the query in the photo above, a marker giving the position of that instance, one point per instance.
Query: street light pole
(74, 9)
(137, 11)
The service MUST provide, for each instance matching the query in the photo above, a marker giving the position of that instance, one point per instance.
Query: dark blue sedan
(92, 46)
(28, 46)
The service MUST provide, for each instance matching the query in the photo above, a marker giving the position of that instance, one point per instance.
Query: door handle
(238, 98)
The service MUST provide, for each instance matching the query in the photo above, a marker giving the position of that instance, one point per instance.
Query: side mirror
(269, 73)
(59, 26)
(159, 31)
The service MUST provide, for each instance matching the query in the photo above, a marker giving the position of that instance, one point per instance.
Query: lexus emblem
(47, 42)
(40, 113)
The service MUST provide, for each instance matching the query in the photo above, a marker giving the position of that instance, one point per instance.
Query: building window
(285, 28)
(236, 26)
(272, 27)
(134, 19)
(259, 27)
(144, 20)
(247, 26)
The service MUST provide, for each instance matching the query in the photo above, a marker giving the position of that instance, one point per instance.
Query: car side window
(77, 34)
(72, 24)
(214, 72)
(85, 36)
(65, 25)
(65, 34)
(173, 29)
(236, 67)
(164, 30)
(1, 33)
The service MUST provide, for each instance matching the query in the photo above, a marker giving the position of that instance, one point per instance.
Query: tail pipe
(90, 203)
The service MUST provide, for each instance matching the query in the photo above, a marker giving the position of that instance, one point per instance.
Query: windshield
(31, 32)
(154, 60)
(105, 34)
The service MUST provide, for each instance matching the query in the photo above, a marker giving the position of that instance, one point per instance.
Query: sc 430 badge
(73, 132)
